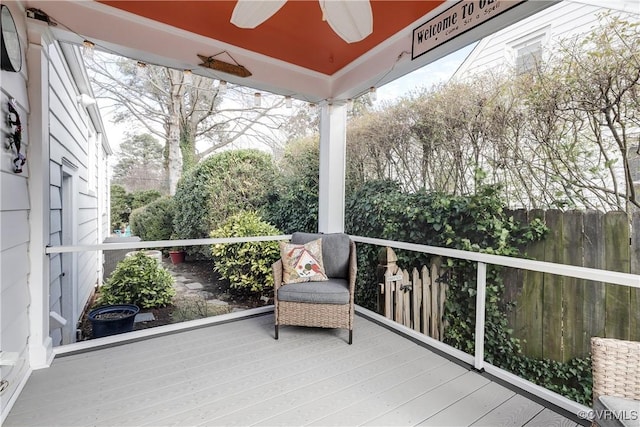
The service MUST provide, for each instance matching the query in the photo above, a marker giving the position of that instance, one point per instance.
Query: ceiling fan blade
(251, 13)
(352, 20)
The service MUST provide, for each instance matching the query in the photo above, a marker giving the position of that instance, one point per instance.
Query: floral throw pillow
(302, 263)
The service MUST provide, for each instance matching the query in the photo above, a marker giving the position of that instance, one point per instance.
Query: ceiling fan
(352, 20)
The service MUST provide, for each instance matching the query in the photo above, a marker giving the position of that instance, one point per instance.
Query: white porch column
(333, 139)
(40, 346)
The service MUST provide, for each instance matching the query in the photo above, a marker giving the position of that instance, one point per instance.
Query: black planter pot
(112, 319)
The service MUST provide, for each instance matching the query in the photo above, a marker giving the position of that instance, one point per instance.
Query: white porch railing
(161, 244)
(625, 279)
(482, 260)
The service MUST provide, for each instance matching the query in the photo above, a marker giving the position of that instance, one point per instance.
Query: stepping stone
(194, 286)
(217, 302)
(144, 317)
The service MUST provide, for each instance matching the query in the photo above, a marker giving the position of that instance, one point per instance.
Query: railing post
(481, 294)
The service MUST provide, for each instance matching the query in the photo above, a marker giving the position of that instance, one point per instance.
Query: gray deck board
(471, 407)
(427, 404)
(517, 411)
(548, 418)
(237, 374)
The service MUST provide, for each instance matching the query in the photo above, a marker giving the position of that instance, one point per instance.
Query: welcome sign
(458, 19)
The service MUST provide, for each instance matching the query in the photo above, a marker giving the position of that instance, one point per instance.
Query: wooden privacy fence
(555, 316)
(415, 300)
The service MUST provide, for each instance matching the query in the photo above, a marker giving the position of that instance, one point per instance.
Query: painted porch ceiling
(296, 34)
(293, 53)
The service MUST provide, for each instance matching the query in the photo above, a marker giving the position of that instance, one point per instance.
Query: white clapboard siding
(103, 195)
(14, 250)
(14, 324)
(13, 191)
(14, 229)
(561, 21)
(69, 151)
(55, 220)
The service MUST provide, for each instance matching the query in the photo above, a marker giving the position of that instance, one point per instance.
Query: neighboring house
(61, 196)
(519, 47)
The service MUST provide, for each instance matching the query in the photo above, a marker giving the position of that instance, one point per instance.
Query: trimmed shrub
(217, 188)
(139, 280)
(153, 221)
(247, 266)
(123, 204)
(143, 197)
(120, 207)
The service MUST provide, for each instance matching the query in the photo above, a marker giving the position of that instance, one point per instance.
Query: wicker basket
(616, 368)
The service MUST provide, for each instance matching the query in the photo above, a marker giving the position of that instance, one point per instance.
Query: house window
(526, 52)
(528, 56)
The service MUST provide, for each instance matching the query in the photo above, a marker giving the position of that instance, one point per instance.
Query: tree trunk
(174, 159)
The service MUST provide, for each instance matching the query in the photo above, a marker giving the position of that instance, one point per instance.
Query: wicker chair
(326, 304)
(616, 381)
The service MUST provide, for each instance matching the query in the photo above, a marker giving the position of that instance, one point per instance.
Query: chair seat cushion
(332, 291)
(616, 411)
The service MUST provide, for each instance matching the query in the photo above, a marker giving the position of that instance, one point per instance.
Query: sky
(437, 72)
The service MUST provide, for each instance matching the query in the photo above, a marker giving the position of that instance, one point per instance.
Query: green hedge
(219, 187)
(293, 199)
(123, 204)
(153, 221)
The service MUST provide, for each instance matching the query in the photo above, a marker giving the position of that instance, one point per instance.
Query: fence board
(444, 287)
(426, 299)
(389, 289)
(574, 339)
(594, 292)
(514, 277)
(616, 253)
(552, 290)
(433, 321)
(529, 313)
(406, 301)
(416, 299)
(399, 300)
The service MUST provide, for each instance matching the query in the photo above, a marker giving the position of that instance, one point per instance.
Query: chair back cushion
(335, 251)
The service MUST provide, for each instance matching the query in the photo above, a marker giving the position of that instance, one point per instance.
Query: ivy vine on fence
(478, 222)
